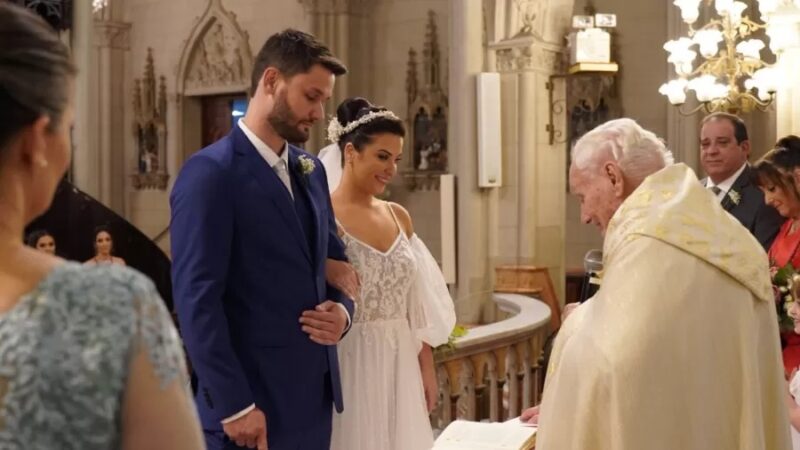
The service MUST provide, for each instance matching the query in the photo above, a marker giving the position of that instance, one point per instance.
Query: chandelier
(731, 76)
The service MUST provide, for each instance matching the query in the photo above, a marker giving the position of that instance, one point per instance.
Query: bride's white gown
(403, 302)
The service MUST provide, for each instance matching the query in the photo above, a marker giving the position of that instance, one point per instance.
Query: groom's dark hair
(292, 52)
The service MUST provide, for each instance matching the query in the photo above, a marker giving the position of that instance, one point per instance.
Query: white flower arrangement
(336, 130)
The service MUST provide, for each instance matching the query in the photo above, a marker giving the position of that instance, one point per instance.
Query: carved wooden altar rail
(495, 370)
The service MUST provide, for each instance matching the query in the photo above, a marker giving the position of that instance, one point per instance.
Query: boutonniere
(735, 197)
(305, 166)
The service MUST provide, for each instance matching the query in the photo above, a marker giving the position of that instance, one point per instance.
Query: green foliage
(782, 284)
(458, 331)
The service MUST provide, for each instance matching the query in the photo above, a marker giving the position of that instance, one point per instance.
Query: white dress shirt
(280, 164)
(726, 184)
(279, 161)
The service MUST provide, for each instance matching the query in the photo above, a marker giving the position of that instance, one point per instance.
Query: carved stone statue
(150, 127)
(427, 109)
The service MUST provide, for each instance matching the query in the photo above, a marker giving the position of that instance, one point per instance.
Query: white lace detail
(386, 278)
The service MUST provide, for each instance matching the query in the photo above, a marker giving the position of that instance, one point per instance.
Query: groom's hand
(325, 324)
(249, 430)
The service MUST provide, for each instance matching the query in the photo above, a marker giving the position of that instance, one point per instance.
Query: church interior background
(160, 79)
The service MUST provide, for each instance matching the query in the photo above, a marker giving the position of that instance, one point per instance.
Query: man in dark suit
(252, 226)
(724, 149)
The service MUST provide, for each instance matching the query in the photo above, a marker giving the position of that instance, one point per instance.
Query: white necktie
(283, 174)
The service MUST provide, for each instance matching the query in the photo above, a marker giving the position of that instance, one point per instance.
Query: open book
(464, 435)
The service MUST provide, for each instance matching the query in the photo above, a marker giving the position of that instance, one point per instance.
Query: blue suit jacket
(243, 273)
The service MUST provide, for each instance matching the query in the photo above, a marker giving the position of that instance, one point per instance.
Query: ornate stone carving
(217, 56)
(114, 35)
(217, 61)
(352, 7)
(530, 18)
(150, 129)
(528, 53)
(427, 114)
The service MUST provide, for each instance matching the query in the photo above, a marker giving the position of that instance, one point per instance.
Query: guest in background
(776, 180)
(89, 358)
(104, 248)
(777, 175)
(42, 240)
(724, 149)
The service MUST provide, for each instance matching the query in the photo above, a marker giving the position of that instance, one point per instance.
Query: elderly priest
(679, 348)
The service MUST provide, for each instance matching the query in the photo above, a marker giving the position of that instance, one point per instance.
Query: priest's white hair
(638, 152)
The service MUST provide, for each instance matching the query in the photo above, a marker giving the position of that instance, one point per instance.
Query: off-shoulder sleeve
(431, 312)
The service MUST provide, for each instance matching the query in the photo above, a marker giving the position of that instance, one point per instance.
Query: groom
(252, 226)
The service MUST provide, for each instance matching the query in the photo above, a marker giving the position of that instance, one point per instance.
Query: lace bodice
(386, 278)
(65, 350)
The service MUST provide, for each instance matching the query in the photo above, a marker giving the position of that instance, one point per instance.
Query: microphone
(592, 266)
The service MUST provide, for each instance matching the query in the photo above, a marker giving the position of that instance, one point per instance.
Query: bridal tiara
(336, 130)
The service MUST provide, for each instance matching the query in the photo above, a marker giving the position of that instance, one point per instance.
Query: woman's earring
(42, 162)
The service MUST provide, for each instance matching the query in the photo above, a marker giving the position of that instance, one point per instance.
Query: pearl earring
(42, 162)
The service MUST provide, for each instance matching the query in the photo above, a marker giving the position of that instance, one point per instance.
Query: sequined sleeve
(156, 332)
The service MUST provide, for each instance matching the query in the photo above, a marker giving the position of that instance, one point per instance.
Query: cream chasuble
(679, 348)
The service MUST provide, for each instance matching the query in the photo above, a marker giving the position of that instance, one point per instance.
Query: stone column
(111, 42)
(340, 24)
(473, 282)
(85, 158)
(533, 197)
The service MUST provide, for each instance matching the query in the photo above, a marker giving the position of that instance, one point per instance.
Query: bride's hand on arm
(429, 383)
(343, 277)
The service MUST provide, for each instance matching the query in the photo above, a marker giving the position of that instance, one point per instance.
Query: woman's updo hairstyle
(789, 158)
(355, 108)
(35, 70)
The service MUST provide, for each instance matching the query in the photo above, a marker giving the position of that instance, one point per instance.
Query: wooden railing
(495, 371)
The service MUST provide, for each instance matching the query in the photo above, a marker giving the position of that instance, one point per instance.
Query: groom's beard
(285, 123)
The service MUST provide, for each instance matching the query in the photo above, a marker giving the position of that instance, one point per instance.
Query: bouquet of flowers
(782, 286)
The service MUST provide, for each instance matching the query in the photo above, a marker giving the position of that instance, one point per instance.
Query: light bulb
(675, 90)
(708, 40)
(690, 10)
(750, 48)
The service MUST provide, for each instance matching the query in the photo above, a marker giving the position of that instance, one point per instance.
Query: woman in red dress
(777, 174)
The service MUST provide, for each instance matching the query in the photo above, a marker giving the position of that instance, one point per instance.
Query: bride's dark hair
(355, 108)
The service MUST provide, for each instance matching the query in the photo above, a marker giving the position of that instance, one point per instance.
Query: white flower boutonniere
(303, 168)
(306, 165)
(735, 197)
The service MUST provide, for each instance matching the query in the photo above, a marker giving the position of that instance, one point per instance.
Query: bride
(403, 306)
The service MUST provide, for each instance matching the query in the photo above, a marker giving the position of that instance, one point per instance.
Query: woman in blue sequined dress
(89, 358)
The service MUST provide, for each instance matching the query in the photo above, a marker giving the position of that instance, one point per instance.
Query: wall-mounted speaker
(490, 155)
